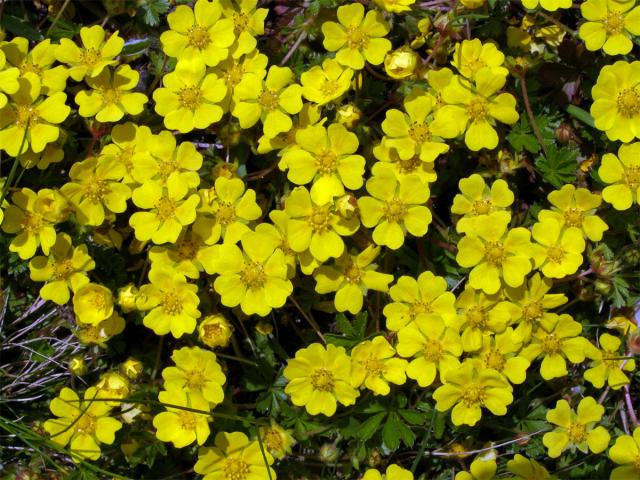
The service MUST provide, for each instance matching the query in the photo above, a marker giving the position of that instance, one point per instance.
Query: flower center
(573, 217)
(632, 177)
(110, 95)
(477, 110)
(482, 207)
(268, 100)
(326, 162)
(409, 166)
(235, 469)
(476, 317)
(187, 249)
(494, 359)
(28, 67)
(226, 213)
(532, 311)
(419, 132)
(356, 38)
(319, 219)
(212, 332)
(628, 102)
(86, 424)
(62, 269)
(473, 395)
(195, 379)
(494, 253)
(253, 276)
(395, 210)
(614, 22)
(98, 300)
(240, 22)
(90, 57)
(26, 115)
(167, 167)
(577, 433)
(95, 189)
(551, 344)
(188, 421)
(611, 359)
(171, 303)
(555, 254)
(198, 37)
(432, 350)
(352, 274)
(419, 308)
(322, 379)
(166, 208)
(234, 75)
(190, 97)
(474, 64)
(374, 367)
(32, 222)
(272, 439)
(329, 88)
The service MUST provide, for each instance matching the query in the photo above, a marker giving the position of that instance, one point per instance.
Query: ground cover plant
(328, 239)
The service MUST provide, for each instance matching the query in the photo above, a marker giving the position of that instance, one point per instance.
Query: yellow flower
(626, 452)
(477, 202)
(374, 366)
(323, 84)
(320, 377)
(470, 56)
(316, 227)
(52, 153)
(199, 33)
(271, 101)
(8, 79)
(38, 60)
(530, 303)
(215, 331)
(426, 296)
(558, 251)
(169, 208)
(500, 352)
(348, 115)
(469, 390)
(279, 232)
(276, 439)
(433, 346)
(283, 142)
(609, 25)
(248, 22)
(113, 386)
(96, 52)
(527, 469)
(357, 37)
(616, 101)
(326, 157)
(84, 424)
(476, 107)
(95, 188)
(416, 132)
(234, 455)
(62, 269)
(391, 164)
(173, 303)
(622, 173)
(179, 426)
(395, 208)
(111, 97)
(550, 5)
(351, 277)
(393, 471)
(181, 256)
(232, 70)
(396, 6)
(401, 63)
(495, 254)
(557, 340)
(479, 315)
(100, 333)
(225, 211)
(132, 368)
(483, 467)
(609, 364)
(576, 429)
(32, 216)
(32, 117)
(197, 372)
(128, 142)
(254, 278)
(92, 303)
(190, 97)
(576, 207)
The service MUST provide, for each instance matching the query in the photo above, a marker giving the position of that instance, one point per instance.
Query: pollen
(494, 253)
(319, 219)
(473, 395)
(628, 102)
(419, 132)
(352, 274)
(478, 110)
(556, 254)
(172, 303)
(482, 207)
(494, 359)
(190, 97)
(551, 344)
(356, 38)
(90, 57)
(253, 276)
(577, 433)
(235, 469)
(476, 317)
(166, 208)
(322, 379)
(327, 162)
(573, 217)
(195, 379)
(188, 421)
(32, 222)
(269, 100)
(632, 177)
(198, 37)
(374, 367)
(63, 269)
(614, 22)
(26, 115)
(240, 22)
(432, 350)
(86, 424)
(95, 189)
(394, 211)
(226, 213)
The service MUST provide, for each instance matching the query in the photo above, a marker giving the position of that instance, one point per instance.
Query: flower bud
(348, 115)
(215, 331)
(401, 63)
(132, 368)
(264, 328)
(329, 453)
(127, 297)
(77, 366)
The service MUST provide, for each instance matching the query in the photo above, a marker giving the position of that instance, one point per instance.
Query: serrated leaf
(339, 340)
(344, 326)
(413, 417)
(558, 167)
(369, 427)
(20, 27)
(391, 432)
(152, 10)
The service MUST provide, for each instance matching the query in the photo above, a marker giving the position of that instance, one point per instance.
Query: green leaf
(391, 432)
(370, 426)
(559, 166)
(344, 326)
(20, 27)
(136, 46)
(152, 10)
(521, 137)
(413, 417)
(580, 114)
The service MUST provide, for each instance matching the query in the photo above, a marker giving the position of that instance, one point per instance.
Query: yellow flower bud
(348, 115)
(215, 331)
(401, 63)
(127, 297)
(472, 4)
(77, 366)
(225, 169)
(346, 206)
(132, 368)
(114, 386)
(263, 327)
